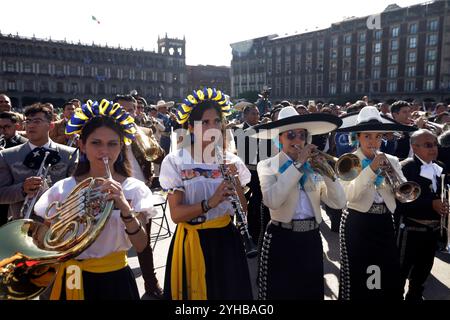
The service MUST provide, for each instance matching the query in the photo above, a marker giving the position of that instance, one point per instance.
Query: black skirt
(370, 265)
(291, 265)
(227, 273)
(114, 285)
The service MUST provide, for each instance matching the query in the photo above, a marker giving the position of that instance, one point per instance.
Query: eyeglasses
(291, 135)
(36, 121)
(428, 145)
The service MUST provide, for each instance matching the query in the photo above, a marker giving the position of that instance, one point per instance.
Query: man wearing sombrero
(168, 120)
(369, 260)
(291, 262)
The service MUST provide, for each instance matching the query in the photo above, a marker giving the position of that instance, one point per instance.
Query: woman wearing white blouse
(105, 272)
(206, 259)
(370, 265)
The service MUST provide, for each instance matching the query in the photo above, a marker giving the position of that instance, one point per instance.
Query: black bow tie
(34, 159)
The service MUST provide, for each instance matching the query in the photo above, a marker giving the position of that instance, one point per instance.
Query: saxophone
(241, 218)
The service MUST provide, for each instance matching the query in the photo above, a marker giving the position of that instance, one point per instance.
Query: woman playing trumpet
(103, 265)
(369, 259)
(291, 262)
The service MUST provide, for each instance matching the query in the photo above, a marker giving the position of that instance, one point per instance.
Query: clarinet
(241, 219)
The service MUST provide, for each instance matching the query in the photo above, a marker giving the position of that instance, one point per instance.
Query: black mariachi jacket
(422, 207)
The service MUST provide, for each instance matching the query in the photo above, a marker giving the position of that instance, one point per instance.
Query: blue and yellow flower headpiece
(103, 109)
(192, 100)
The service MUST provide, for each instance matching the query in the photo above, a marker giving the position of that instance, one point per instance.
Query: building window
(334, 42)
(309, 46)
(412, 57)
(27, 68)
(298, 47)
(432, 40)
(433, 25)
(361, 62)
(410, 71)
(297, 86)
(347, 51)
(430, 69)
(431, 55)
(429, 84)
(320, 44)
(393, 58)
(346, 75)
(361, 75)
(12, 85)
(362, 49)
(392, 72)
(288, 50)
(376, 73)
(360, 87)
(11, 67)
(346, 87)
(332, 88)
(362, 36)
(375, 87)
(278, 51)
(287, 86)
(410, 86)
(392, 86)
(376, 60)
(394, 31)
(413, 28)
(333, 54)
(59, 87)
(348, 39)
(377, 47)
(378, 34)
(394, 44)
(412, 42)
(333, 65)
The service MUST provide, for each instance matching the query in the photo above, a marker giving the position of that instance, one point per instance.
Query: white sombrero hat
(369, 119)
(289, 119)
(162, 103)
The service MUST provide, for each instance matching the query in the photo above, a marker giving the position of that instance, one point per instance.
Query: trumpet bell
(348, 167)
(407, 192)
(27, 268)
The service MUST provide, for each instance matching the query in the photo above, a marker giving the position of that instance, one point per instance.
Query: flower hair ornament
(184, 110)
(105, 108)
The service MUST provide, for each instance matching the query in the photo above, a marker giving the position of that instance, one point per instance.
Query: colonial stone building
(209, 76)
(55, 71)
(399, 53)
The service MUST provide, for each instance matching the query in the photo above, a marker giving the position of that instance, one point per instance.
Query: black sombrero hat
(289, 119)
(370, 120)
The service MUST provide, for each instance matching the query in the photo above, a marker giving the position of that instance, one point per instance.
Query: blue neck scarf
(306, 168)
(379, 180)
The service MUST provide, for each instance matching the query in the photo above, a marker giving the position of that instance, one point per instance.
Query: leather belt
(297, 225)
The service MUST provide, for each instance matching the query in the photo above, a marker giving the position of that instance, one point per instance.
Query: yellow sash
(74, 287)
(194, 260)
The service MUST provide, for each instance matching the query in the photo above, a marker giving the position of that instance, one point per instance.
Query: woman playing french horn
(104, 131)
(291, 262)
(370, 266)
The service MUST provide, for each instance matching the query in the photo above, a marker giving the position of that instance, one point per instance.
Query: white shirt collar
(47, 145)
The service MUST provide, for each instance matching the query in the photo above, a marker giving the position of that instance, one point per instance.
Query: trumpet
(347, 167)
(444, 199)
(404, 191)
(28, 204)
(74, 138)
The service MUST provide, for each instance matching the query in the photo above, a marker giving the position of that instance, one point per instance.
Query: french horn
(31, 251)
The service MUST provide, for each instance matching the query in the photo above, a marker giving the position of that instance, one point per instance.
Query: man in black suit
(401, 112)
(419, 221)
(8, 126)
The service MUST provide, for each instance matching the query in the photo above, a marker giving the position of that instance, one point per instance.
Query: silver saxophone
(241, 219)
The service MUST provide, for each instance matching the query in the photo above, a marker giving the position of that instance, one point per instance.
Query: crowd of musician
(283, 209)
